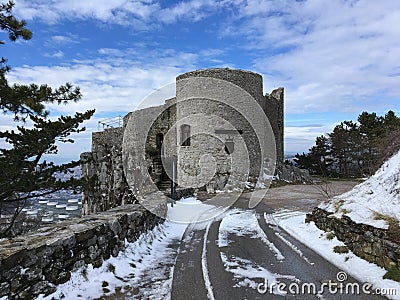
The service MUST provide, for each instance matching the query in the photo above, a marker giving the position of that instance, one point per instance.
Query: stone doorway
(162, 180)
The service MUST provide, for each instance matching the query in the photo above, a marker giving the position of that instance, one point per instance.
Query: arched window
(185, 135)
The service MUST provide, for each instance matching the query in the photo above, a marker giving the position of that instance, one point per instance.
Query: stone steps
(164, 185)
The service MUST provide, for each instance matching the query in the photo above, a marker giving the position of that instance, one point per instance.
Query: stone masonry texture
(34, 263)
(375, 245)
(227, 97)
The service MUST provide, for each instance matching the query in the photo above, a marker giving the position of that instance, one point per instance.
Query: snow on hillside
(378, 195)
(316, 239)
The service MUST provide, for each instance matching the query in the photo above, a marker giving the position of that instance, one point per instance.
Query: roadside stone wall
(373, 244)
(33, 264)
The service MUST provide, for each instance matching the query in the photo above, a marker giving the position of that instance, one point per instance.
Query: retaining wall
(373, 244)
(34, 263)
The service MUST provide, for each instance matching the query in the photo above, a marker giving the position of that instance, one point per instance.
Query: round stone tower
(222, 130)
(249, 81)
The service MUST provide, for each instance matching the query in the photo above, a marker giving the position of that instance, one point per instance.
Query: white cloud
(113, 85)
(335, 56)
(193, 10)
(105, 87)
(53, 11)
(330, 55)
(301, 138)
(114, 82)
(63, 39)
(58, 54)
(112, 52)
(136, 13)
(6, 122)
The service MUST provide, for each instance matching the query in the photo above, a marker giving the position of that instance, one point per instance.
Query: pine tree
(354, 149)
(24, 173)
(306, 161)
(322, 152)
(371, 129)
(345, 148)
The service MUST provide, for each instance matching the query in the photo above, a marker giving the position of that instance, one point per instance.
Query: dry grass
(341, 249)
(330, 236)
(392, 273)
(338, 205)
(393, 222)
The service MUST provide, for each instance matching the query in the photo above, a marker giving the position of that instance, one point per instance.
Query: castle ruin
(219, 133)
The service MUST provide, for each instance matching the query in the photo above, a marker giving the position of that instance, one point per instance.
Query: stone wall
(135, 162)
(274, 111)
(212, 106)
(125, 163)
(373, 244)
(107, 187)
(249, 81)
(154, 144)
(33, 264)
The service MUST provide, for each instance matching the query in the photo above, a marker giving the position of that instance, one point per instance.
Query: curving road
(235, 256)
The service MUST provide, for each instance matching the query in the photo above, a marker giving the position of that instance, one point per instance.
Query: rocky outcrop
(107, 186)
(373, 244)
(293, 174)
(33, 264)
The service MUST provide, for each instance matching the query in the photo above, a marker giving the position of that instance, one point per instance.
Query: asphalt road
(201, 273)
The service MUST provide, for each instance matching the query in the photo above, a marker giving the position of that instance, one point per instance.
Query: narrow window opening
(185, 135)
(159, 143)
(229, 146)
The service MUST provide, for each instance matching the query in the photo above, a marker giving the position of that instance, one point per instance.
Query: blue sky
(335, 58)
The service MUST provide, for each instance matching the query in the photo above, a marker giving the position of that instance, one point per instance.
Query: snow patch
(204, 265)
(189, 210)
(144, 263)
(378, 194)
(243, 223)
(353, 265)
(246, 270)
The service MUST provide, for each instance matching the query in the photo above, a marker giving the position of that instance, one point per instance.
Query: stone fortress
(219, 133)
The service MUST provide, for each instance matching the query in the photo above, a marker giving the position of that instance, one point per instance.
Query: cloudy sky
(335, 58)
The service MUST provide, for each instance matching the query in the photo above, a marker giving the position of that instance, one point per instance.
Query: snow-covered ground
(146, 263)
(244, 223)
(378, 196)
(191, 210)
(314, 238)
